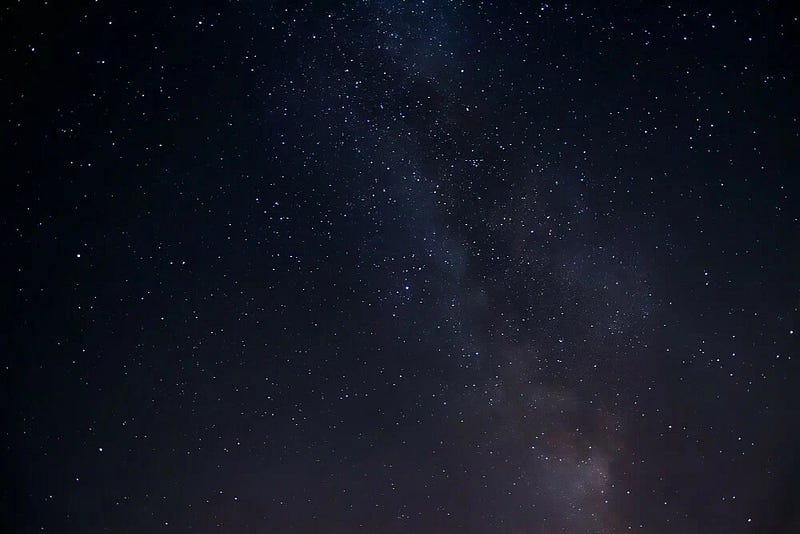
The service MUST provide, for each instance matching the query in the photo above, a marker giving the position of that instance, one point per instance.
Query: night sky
(386, 266)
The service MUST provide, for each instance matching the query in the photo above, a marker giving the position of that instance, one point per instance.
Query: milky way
(401, 267)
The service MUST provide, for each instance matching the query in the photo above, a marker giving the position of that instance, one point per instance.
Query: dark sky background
(388, 266)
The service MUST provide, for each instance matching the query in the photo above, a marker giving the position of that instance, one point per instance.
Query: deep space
(392, 266)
